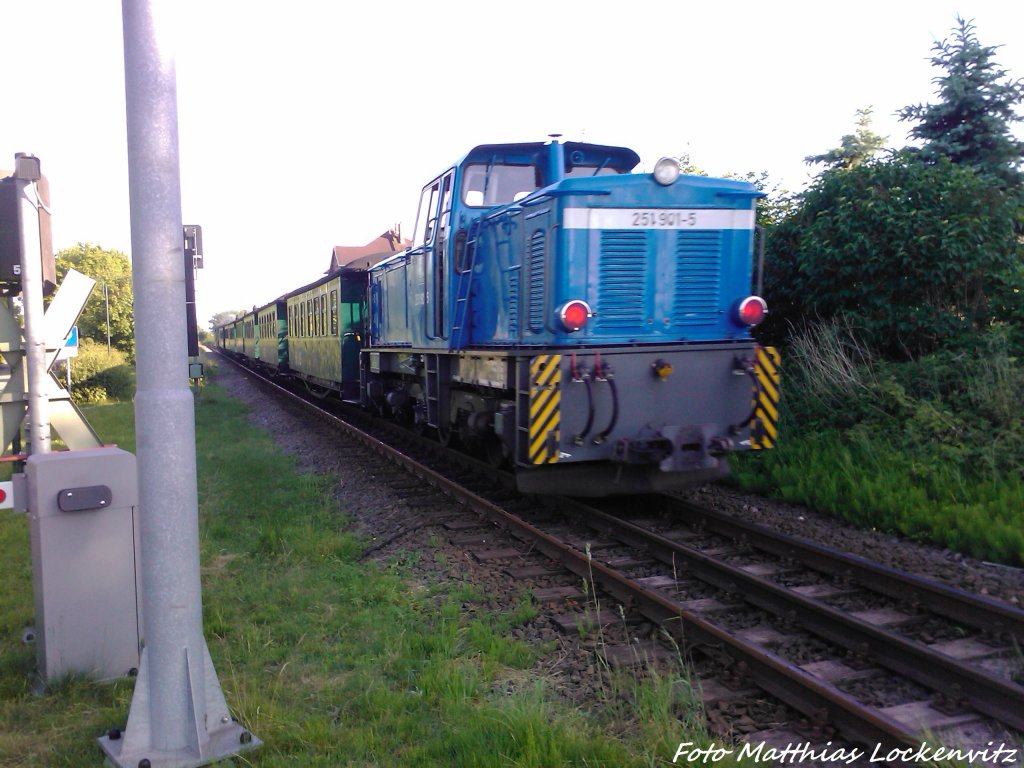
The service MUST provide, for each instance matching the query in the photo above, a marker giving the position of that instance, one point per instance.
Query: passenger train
(587, 325)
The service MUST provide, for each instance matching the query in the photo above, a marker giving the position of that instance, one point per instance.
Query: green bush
(922, 255)
(99, 376)
(932, 448)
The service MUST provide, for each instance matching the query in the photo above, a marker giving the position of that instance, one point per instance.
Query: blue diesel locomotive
(587, 325)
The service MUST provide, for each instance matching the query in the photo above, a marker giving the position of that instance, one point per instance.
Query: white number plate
(658, 218)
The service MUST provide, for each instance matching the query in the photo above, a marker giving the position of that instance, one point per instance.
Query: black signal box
(194, 244)
(10, 236)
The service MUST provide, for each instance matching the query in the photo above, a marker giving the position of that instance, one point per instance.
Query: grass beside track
(932, 449)
(328, 660)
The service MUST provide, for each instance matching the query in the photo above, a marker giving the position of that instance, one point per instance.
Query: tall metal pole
(178, 716)
(27, 173)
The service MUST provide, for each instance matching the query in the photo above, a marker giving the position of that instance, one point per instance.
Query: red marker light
(574, 314)
(752, 310)
(3, 495)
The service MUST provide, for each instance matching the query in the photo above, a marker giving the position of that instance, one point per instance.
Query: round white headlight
(666, 171)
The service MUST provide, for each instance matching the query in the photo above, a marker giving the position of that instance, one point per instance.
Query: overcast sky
(312, 123)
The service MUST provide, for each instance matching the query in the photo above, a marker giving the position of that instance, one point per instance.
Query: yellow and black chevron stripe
(545, 409)
(765, 427)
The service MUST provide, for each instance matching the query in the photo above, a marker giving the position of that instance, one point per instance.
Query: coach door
(348, 318)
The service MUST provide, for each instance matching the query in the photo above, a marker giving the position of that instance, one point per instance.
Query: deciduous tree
(113, 270)
(915, 253)
(224, 317)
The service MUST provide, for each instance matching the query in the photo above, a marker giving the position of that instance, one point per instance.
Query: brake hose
(578, 439)
(603, 435)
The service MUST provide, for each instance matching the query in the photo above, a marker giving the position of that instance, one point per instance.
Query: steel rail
(986, 693)
(984, 613)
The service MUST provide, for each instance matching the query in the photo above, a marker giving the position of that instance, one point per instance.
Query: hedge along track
(827, 708)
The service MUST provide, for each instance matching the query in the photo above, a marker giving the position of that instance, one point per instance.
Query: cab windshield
(489, 184)
(485, 185)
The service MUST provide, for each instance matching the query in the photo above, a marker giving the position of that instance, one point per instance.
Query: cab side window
(426, 218)
(440, 255)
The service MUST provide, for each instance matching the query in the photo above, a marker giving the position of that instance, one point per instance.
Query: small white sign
(658, 218)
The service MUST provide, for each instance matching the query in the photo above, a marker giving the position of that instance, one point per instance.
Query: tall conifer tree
(972, 121)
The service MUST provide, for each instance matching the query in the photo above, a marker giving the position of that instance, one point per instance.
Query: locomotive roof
(534, 153)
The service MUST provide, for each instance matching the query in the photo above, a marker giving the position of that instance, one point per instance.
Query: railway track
(877, 624)
(865, 654)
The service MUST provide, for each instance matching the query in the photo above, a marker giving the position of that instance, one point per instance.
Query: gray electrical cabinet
(82, 511)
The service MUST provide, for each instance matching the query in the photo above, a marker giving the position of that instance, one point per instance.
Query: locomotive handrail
(541, 194)
(549, 301)
(759, 231)
(740, 193)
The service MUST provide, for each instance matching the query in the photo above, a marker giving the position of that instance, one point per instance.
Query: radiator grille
(513, 302)
(698, 277)
(535, 311)
(623, 267)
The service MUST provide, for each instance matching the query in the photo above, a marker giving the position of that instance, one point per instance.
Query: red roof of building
(364, 256)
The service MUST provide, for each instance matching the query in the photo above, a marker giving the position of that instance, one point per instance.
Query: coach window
(323, 314)
(334, 312)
